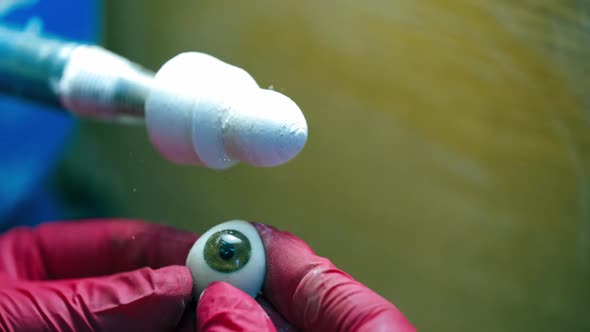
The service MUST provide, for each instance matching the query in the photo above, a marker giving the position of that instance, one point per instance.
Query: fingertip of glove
(161, 296)
(313, 293)
(275, 238)
(223, 307)
(175, 280)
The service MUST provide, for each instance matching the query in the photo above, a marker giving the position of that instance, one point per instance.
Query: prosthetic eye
(231, 252)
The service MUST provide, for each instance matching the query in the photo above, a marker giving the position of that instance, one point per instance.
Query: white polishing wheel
(204, 111)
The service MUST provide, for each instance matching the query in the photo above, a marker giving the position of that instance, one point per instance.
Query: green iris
(227, 251)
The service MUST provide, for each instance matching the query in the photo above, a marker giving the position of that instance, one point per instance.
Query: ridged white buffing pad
(204, 111)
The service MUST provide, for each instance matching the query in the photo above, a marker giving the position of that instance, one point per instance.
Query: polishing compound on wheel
(204, 111)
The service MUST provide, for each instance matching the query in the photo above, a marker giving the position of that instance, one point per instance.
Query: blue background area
(31, 136)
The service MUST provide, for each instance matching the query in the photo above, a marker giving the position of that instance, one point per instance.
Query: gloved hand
(117, 275)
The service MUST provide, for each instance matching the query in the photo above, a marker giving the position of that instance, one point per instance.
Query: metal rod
(101, 85)
(29, 64)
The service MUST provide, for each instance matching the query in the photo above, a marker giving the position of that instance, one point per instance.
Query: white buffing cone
(204, 111)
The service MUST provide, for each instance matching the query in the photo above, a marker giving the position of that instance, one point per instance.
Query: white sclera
(249, 278)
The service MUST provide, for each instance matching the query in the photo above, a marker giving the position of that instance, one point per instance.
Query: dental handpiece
(197, 108)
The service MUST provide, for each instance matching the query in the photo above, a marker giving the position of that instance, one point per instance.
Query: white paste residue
(232, 118)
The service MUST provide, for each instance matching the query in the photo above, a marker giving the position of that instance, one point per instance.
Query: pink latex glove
(121, 275)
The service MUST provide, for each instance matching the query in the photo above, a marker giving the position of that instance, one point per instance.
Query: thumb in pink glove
(110, 275)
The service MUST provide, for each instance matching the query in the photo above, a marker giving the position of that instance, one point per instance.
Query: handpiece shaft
(29, 65)
(84, 79)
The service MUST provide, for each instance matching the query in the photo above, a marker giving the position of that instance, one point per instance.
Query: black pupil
(226, 250)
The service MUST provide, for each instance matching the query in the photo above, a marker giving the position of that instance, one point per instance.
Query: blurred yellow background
(448, 160)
